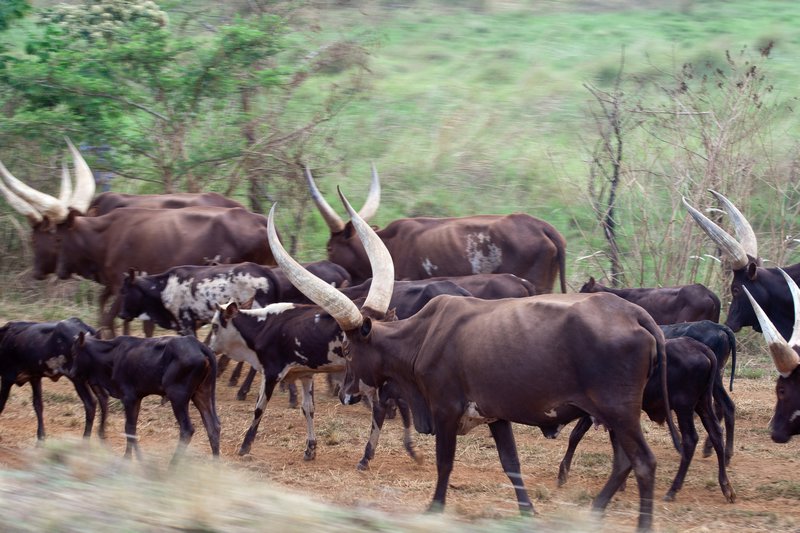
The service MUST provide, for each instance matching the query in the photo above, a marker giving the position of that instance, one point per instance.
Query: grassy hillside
(480, 106)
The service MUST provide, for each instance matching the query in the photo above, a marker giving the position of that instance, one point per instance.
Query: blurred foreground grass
(75, 486)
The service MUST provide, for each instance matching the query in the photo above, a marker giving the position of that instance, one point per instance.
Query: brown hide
(108, 201)
(429, 247)
(104, 248)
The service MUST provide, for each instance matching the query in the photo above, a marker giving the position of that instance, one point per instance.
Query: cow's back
(517, 244)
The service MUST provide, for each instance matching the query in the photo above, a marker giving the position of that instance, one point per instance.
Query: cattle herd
(432, 316)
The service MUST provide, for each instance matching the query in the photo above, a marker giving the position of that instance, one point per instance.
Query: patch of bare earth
(765, 475)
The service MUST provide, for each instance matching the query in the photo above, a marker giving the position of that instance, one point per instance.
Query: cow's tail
(732, 343)
(661, 350)
(561, 254)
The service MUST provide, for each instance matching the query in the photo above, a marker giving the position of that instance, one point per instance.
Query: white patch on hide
(180, 297)
(484, 256)
(472, 418)
(229, 341)
(551, 413)
(55, 365)
(429, 267)
(794, 415)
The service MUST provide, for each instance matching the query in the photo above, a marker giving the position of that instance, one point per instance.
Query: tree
(11, 10)
(176, 109)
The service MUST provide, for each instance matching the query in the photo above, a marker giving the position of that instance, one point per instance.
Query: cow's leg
(689, 440)
(36, 385)
(378, 416)
(89, 407)
(237, 371)
(712, 427)
(507, 450)
(291, 386)
(268, 383)
(408, 440)
(725, 410)
(106, 318)
(102, 400)
(149, 328)
(132, 407)
(631, 452)
(5, 390)
(248, 382)
(180, 408)
(204, 399)
(446, 434)
(580, 429)
(308, 410)
(222, 361)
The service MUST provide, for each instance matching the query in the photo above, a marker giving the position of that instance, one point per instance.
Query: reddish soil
(765, 475)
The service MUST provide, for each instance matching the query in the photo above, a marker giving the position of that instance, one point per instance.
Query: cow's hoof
(669, 497)
(244, 450)
(363, 465)
(309, 455)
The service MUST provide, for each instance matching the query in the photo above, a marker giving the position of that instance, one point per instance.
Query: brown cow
(461, 362)
(104, 248)
(429, 247)
(48, 215)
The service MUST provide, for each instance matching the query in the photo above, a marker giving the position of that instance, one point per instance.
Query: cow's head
(81, 360)
(786, 355)
(46, 213)
(344, 247)
(744, 260)
(363, 362)
(132, 297)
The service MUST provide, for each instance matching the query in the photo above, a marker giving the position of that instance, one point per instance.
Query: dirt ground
(765, 475)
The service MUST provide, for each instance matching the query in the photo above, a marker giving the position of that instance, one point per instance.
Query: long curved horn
(373, 200)
(747, 237)
(335, 223)
(380, 292)
(728, 244)
(795, 339)
(784, 357)
(20, 205)
(340, 307)
(44, 203)
(84, 182)
(66, 184)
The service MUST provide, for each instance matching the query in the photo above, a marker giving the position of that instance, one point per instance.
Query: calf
(30, 351)
(721, 340)
(334, 274)
(668, 305)
(691, 374)
(294, 341)
(130, 368)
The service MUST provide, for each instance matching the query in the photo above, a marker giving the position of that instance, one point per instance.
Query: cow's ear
(366, 327)
(752, 270)
(391, 315)
(81, 338)
(231, 310)
(591, 282)
(348, 230)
